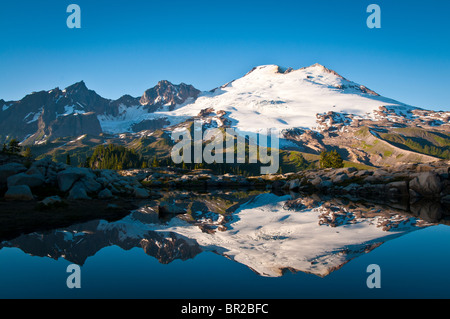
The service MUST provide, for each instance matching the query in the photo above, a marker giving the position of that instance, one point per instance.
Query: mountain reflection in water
(269, 233)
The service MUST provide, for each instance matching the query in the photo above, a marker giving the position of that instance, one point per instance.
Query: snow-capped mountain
(313, 108)
(267, 96)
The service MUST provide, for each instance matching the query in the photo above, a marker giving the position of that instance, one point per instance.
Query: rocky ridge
(47, 115)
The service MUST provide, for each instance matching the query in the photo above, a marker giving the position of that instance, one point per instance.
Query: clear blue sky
(126, 47)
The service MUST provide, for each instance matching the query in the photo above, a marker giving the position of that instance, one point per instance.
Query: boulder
(170, 209)
(363, 172)
(105, 194)
(50, 177)
(51, 200)
(381, 173)
(45, 162)
(69, 176)
(424, 168)
(36, 170)
(90, 184)
(325, 184)
(78, 192)
(34, 180)
(109, 175)
(8, 170)
(316, 181)
(141, 193)
(427, 184)
(339, 178)
(103, 181)
(19, 193)
(345, 170)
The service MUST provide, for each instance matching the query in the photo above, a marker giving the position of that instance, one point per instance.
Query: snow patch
(33, 116)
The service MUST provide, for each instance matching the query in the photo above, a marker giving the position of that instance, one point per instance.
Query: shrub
(331, 160)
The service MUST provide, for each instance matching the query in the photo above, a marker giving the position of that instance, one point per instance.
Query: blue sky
(126, 47)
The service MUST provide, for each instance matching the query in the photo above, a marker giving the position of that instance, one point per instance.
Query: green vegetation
(366, 146)
(292, 161)
(387, 154)
(429, 143)
(114, 157)
(331, 159)
(154, 150)
(364, 131)
(357, 165)
(27, 153)
(12, 148)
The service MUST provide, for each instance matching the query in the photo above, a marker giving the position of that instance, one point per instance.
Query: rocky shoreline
(429, 181)
(413, 181)
(52, 182)
(44, 194)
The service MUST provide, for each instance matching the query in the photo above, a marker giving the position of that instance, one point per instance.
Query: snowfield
(268, 98)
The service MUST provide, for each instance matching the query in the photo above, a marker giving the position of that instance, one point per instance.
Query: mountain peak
(78, 86)
(324, 69)
(273, 68)
(317, 65)
(164, 83)
(166, 93)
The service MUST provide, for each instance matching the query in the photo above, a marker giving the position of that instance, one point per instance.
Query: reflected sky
(187, 256)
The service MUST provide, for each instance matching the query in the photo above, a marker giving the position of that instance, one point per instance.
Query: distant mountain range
(314, 108)
(47, 115)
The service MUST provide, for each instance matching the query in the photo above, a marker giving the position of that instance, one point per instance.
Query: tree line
(14, 148)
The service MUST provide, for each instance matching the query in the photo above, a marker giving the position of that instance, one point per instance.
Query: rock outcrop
(19, 193)
(166, 93)
(413, 181)
(73, 183)
(8, 170)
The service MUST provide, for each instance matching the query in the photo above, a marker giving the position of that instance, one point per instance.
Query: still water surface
(236, 245)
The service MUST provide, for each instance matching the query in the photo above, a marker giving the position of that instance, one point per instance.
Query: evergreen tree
(14, 147)
(155, 162)
(115, 157)
(68, 159)
(331, 160)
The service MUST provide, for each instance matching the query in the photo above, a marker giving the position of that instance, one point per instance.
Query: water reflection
(269, 233)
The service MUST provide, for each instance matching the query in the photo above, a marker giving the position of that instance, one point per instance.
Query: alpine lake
(234, 244)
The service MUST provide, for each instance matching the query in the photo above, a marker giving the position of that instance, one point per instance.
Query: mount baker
(314, 108)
